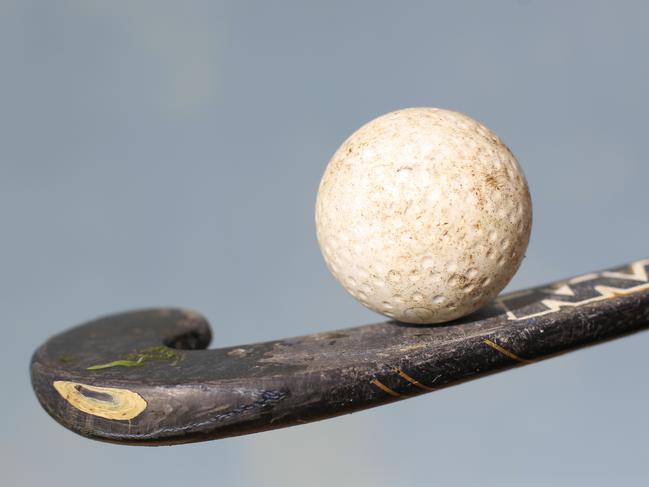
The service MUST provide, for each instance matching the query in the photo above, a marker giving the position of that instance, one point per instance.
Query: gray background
(168, 153)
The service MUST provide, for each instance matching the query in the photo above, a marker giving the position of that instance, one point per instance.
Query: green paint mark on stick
(117, 363)
(139, 358)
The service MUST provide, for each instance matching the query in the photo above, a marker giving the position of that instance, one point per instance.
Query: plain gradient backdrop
(169, 153)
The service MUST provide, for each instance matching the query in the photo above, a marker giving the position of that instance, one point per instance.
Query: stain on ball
(433, 197)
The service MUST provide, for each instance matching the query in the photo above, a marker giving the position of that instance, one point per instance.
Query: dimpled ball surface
(423, 215)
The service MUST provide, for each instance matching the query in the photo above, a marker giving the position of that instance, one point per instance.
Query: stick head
(142, 378)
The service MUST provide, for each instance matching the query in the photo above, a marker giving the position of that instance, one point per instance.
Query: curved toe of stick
(105, 378)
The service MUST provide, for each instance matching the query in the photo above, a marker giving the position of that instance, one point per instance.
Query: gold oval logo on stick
(105, 402)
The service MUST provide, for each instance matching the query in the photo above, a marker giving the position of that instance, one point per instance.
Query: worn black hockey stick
(139, 378)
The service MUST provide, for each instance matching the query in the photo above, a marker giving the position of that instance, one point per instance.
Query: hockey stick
(139, 378)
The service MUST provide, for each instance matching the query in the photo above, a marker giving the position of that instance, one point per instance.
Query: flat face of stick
(143, 378)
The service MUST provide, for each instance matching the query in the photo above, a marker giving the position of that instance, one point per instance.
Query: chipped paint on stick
(105, 402)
